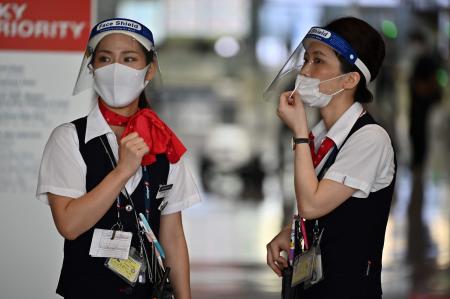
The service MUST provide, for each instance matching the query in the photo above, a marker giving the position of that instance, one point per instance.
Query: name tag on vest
(163, 191)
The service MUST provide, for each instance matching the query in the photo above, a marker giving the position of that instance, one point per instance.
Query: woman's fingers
(291, 111)
(274, 260)
(135, 144)
(132, 140)
(282, 105)
(271, 261)
(129, 137)
(132, 150)
(284, 99)
(291, 98)
(282, 261)
(288, 102)
(143, 150)
(279, 243)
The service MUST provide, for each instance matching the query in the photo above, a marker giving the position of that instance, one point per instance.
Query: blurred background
(216, 58)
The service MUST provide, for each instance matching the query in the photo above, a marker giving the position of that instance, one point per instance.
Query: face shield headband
(136, 30)
(341, 46)
(285, 78)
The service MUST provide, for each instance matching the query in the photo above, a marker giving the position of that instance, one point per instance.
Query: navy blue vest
(353, 237)
(83, 276)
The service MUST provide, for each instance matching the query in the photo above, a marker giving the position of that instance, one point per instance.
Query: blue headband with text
(126, 25)
(341, 46)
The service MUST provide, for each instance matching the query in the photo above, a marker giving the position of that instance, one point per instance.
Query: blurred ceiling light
(389, 29)
(226, 46)
(271, 51)
(443, 3)
(149, 13)
(442, 77)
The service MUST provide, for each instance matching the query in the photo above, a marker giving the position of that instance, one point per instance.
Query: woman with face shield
(344, 167)
(116, 180)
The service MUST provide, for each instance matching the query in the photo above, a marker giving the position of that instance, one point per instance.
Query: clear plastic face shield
(285, 79)
(120, 41)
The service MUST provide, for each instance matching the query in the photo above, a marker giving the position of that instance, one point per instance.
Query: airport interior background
(216, 58)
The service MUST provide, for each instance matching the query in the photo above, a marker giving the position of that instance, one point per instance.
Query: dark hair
(368, 45)
(149, 56)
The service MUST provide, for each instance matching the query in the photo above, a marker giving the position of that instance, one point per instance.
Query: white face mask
(119, 85)
(308, 88)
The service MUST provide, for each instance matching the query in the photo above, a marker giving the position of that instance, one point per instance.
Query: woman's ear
(151, 71)
(352, 80)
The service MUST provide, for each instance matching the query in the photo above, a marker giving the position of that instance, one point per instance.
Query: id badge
(303, 267)
(317, 274)
(110, 243)
(163, 191)
(128, 269)
(318, 271)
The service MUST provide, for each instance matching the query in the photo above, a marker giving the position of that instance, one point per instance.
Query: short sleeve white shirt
(63, 171)
(366, 161)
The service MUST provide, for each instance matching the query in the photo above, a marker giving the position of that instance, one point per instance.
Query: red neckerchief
(158, 136)
(325, 146)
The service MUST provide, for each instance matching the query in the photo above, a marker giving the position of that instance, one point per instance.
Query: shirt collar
(339, 131)
(96, 124)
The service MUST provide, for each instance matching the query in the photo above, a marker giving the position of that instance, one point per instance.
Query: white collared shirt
(366, 161)
(63, 171)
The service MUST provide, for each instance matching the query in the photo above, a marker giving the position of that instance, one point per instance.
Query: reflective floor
(227, 238)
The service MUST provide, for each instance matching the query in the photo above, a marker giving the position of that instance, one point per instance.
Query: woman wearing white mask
(116, 181)
(344, 167)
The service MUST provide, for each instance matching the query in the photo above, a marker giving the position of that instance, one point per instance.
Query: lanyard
(146, 177)
(110, 155)
(113, 164)
(152, 270)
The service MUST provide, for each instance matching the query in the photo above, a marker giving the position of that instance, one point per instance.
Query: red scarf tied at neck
(158, 136)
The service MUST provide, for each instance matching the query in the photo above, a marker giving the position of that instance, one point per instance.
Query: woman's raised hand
(292, 113)
(132, 149)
